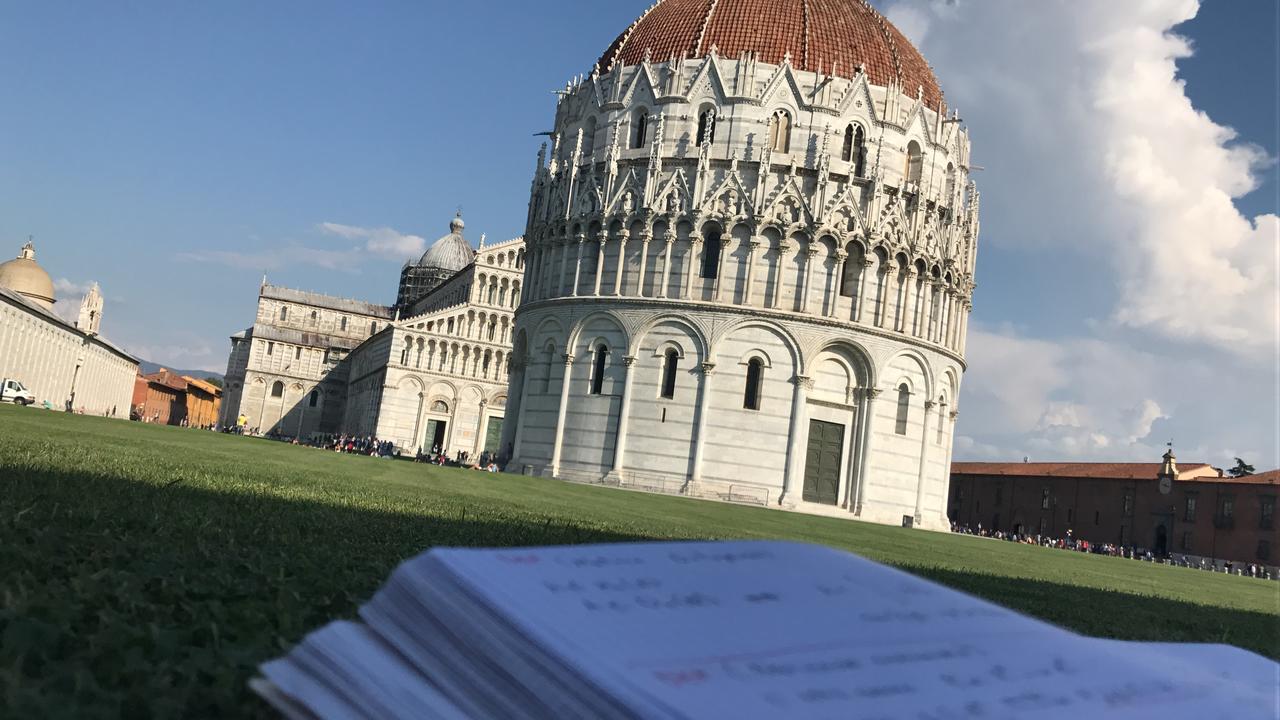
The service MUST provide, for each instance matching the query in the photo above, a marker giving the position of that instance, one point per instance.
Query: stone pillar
(882, 295)
(799, 422)
(863, 292)
(752, 246)
(909, 302)
(965, 309)
(621, 267)
(564, 267)
(700, 425)
(784, 248)
(624, 414)
(926, 310)
(837, 280)
(952, 342)
(523, 369)
(869, 416)
(668, 237)
(810, 252)
(724, 246)
(604, 238)
(695, 242)
(561, 414)
(924, 459)
(644, 261)
(577, 265)
(479, 444)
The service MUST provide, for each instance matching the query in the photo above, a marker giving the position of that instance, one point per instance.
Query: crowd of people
(1131, 552)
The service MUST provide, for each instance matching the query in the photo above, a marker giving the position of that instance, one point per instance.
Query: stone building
(752, 247)
(61, 362)
(1193, 511)
(427, 372)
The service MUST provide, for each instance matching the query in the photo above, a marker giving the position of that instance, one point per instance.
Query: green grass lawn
(145, 571)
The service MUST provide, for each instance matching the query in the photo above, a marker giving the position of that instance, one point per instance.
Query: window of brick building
(1190, 514)
(1128, 503)
(1267, 517)
(1186, 540)
(1044, 499)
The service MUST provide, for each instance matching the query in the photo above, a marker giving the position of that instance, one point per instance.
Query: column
(752, 246)
(520, 409)
(724, 247)
(863, 294)
(577, 265)
(909, 302)
(666, 263)
(695, 243)
(837, 280)
(799, 423)
(856, 452)
(965, 309)
(924, 457)
(899, 300)
(784, 248)
(810, 252)
(644, 260)
(624, 415)
(560, 416)
(564, 266)
(955, 319)
(700, 426)
(870, 395)
(621, 266)
(479, 445)
(926, 310)
(604, 238)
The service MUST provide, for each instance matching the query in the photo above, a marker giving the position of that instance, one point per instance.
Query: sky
(1127, 268)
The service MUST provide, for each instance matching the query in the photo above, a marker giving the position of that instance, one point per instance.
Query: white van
(15, 392)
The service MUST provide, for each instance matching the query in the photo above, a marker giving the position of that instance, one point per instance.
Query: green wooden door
(493, 435)
(822, 462)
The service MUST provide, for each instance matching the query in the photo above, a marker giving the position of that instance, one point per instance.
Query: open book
(729, 630)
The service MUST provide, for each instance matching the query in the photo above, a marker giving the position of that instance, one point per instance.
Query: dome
(24, 275)
(451, 252)
(834, 36)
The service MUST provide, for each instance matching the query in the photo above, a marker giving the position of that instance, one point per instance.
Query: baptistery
(751, 253)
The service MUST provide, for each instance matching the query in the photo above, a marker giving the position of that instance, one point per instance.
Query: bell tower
(90, 311)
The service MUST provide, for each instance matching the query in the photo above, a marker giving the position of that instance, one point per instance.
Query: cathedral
(751, 250)
(428, 372)
(64, 364)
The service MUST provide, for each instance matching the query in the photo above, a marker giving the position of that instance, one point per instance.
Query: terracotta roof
(817, 33)
(1099, 470)
(1270, 477)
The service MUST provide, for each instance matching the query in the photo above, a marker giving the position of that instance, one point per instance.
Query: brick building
(204, 400)
(1195, 511)
(160, 398)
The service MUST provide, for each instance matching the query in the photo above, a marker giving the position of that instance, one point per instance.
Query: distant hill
(147, 367)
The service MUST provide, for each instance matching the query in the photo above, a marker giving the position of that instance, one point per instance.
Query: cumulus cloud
(1095, 155)
(383, 241)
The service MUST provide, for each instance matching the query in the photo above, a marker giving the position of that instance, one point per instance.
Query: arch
(788, 340)
(588, 142)
(914, 167)
(950, 188)
(921, 364)
(753, 383)
(277, 389)
(670, 366)
(575, 335)
(780, 131)
(699, 337)
(639, 128)
(902, 414)
(599, 364)
(706, 125)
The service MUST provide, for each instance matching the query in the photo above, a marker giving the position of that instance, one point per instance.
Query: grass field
(147, 570)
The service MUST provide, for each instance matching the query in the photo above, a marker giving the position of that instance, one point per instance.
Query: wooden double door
(823, 458)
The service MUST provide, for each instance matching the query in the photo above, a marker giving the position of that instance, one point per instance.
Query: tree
(216, 382)
(1241, 469)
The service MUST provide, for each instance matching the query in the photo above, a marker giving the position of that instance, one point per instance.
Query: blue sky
(174, 152)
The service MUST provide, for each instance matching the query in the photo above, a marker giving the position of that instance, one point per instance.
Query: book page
(769, 629)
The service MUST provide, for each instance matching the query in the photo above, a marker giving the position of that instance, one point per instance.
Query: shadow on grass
(1093, 611)
(126, 598)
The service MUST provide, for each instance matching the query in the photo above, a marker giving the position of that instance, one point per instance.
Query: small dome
(24, 275)
(451, 252)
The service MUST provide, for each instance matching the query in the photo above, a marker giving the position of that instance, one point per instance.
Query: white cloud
(1095, 155)
(383, 242)
(1090, 140)
(274, 259)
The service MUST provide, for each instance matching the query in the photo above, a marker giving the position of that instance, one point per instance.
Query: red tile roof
(817, 33)
(1099, 470)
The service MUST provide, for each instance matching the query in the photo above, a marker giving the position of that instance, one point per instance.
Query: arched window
(313, 317)
(639, 129)
(751, 394)
(284, 313)
(440, 406)
(277, 389)
(271, 348)
(549, 358)
(669, 364)
(904, 405)
(846, 151)
(859, 151)
(951, 185)
(706, 127)
(780, 132)
(597, 369)
(915, 163)
(343, 324)
(373, 328)
(710, 256)
(313, 399)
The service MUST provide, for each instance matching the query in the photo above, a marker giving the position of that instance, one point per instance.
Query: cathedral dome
(24, 275)
(451, 252)
(834, 36)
